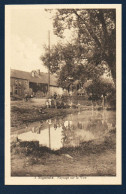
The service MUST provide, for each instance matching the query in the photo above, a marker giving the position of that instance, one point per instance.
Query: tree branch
(102, 21)
(89, 29)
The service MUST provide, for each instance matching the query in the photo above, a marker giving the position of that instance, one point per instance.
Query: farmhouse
(34, 82)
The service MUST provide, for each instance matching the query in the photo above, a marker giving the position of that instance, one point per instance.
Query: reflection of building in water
(48, 137)
(51, 138)
(68, 123)
(69, 132)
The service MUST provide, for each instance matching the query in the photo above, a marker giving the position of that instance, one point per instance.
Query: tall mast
(49, 64)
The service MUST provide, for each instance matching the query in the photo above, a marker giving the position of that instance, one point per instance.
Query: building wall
(18, 86)
(22, 86)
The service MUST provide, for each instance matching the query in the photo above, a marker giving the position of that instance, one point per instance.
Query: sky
(28, 33)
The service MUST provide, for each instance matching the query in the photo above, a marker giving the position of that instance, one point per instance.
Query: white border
(117, 180)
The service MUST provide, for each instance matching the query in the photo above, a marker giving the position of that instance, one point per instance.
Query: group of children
(56, 101)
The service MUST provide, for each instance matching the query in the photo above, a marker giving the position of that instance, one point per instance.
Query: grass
(92, 158)
(23, 113)
(88, 159)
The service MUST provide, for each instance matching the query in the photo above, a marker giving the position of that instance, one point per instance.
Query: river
(69, 131)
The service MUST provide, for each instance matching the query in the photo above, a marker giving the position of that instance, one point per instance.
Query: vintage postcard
(63, 94)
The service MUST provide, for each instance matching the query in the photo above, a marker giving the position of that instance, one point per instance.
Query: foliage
(99, 89)
(111, 98)
(96, 33)
(91, 52)
(28, 91)
(66, 62)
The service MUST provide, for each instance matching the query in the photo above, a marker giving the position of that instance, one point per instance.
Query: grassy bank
(93, 158)
(23, 113)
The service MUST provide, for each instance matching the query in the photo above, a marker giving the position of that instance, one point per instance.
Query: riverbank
(93, 158)
(95, 155)
(23, 113)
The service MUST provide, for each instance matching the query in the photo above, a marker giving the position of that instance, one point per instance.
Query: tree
(66, 62)
(101, 89)
(96, 34)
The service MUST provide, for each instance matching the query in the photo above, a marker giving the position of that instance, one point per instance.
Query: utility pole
(49, 138)
(49, 64)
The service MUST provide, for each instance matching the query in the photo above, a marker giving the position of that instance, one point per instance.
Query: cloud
(29, 34)
(25, 54)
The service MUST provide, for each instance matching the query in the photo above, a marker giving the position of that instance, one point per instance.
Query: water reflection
(70, 131)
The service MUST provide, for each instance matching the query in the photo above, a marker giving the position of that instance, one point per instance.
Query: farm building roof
(38, 78)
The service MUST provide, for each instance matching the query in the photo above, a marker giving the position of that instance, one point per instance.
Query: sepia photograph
(63, 94)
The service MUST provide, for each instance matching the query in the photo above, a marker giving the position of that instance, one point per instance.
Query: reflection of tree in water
(97, 126)
(70, 137)
(79, 125)
(69, 134)
(75, 130)
(58, 122)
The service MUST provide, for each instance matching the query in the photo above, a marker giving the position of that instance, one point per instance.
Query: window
(19, 83)
(16, 91)
(16, 82)
(26, 82)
